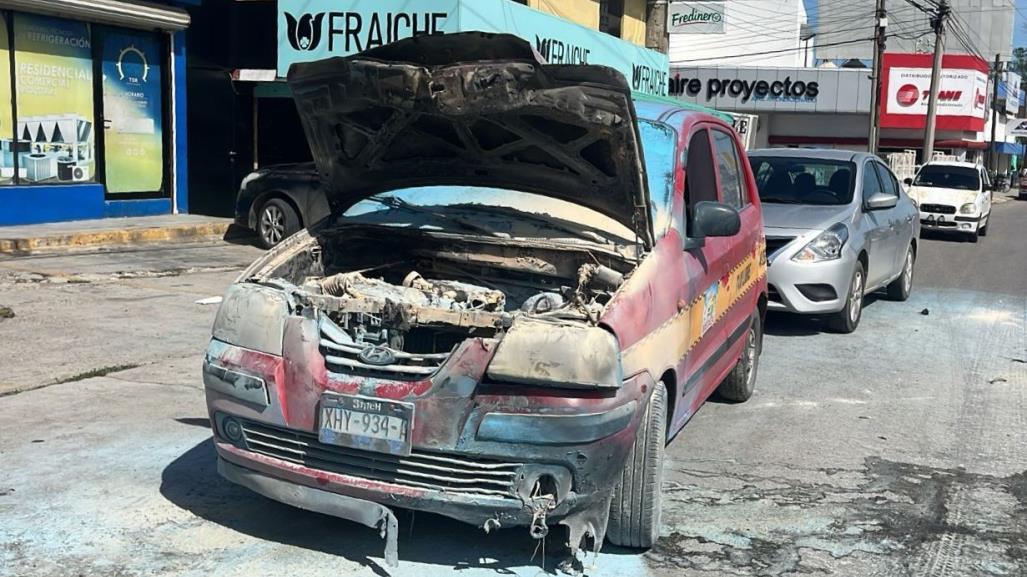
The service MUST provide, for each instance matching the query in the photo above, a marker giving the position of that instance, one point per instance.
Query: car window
(943, 176)
(803, 180)
(729, 169)
(888, 182)
(700, 178)
(871, 184)
(659, 144)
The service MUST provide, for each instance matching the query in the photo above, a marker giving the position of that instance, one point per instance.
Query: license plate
(366, 423)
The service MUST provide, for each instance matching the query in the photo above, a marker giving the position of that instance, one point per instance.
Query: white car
(953, 196)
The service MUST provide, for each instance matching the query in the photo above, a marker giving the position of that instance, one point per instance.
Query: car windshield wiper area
(549, 222)
(397, 203)
(779, 200)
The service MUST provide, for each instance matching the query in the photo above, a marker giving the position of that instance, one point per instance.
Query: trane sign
(963, 92)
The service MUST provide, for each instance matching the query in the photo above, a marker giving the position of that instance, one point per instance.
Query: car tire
(846, 320)
(983, 230)
(739, 384)
(635, 509)
(900, 288)
(276, 221)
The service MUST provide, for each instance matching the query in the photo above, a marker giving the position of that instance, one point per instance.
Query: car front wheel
(847, 319)
(276, 221)
(635, 509)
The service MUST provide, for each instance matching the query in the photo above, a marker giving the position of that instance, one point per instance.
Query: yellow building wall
(584, 12)
(632, 26)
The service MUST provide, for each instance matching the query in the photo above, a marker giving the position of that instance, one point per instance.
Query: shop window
(66, 76)
(133, 143)
(53, 78)
(611, 13)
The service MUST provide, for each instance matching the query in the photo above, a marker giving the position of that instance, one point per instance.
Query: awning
(132, 14)
(1008, 148)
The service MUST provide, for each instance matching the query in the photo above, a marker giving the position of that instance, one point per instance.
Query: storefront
(91, 102)
(830, 107)
(315, 29)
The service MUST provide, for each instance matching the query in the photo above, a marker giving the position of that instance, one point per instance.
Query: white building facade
(738, 33)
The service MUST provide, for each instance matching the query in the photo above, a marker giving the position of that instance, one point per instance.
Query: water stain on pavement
(915, 520)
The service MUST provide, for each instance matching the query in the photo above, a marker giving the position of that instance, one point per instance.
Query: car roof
(821, 153)
(959, 163)
(656, 109)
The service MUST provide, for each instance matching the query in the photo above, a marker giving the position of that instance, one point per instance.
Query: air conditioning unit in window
(79, 173)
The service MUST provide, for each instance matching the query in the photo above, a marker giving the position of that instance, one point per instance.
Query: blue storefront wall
(40, 203)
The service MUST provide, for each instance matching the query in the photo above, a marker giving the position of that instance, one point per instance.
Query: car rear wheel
(635, 509)
(741, 381)
(847, 319)
(900, 288)
(275, 222)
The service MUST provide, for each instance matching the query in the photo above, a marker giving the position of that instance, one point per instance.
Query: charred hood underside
(473, 109)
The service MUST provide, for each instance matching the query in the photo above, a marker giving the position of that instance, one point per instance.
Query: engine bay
(432, 295)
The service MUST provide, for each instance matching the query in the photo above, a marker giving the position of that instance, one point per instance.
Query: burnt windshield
(941, 176)
(794, 180)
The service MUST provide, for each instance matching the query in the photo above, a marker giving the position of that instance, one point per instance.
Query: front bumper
(967, 223)
(573, 447)
(808, 288)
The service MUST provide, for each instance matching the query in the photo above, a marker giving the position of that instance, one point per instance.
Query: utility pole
(656, 26)
(875, 93)
(932, 105)
(996, 70)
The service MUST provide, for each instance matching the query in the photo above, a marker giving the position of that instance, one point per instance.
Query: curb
(106, 238)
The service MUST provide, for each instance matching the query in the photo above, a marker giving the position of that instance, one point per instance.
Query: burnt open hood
(473, 109)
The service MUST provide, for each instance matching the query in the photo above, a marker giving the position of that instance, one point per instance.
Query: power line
(769, 52)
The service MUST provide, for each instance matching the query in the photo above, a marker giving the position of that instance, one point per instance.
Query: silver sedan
(838, 226)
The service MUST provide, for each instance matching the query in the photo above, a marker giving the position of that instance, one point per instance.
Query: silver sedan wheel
(272, 224)
(856, 297)
(907, 272)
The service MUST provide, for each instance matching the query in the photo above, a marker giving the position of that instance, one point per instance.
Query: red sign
(906, 91)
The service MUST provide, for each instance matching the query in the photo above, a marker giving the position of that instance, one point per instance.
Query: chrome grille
(342, 354)
(939, 208)
(424, 470)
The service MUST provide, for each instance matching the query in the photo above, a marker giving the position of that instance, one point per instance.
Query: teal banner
(316, 29)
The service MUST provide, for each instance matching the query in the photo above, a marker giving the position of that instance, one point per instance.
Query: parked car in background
(277, 201)
(838, 226)
(953, 196)
(504, 320)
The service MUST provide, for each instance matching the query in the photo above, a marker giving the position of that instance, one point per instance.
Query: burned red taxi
(529, 284)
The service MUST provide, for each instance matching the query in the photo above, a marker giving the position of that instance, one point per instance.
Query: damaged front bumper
(489, 455)
(366, 513)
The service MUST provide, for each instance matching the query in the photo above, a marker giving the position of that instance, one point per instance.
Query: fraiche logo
(304, 34)
(907, 95)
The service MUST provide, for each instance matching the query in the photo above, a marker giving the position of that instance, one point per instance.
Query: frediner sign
(695, 18)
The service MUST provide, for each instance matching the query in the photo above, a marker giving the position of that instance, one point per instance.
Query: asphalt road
(893, 451)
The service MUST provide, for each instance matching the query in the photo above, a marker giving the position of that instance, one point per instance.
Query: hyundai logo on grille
(377, 356)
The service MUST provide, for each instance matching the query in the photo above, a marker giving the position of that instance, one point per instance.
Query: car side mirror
(881, 201)
(714, 219)
(907, 181)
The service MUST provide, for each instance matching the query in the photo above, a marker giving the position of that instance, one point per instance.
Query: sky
(1019, 30)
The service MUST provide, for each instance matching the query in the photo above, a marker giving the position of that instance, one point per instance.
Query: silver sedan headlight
(826, 246)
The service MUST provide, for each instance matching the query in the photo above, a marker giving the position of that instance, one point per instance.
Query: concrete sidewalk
(104, 233)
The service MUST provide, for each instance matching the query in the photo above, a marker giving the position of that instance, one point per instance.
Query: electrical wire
(769, 52)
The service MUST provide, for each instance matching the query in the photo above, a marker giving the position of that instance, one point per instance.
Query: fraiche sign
(315, 29)
(962, 94)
